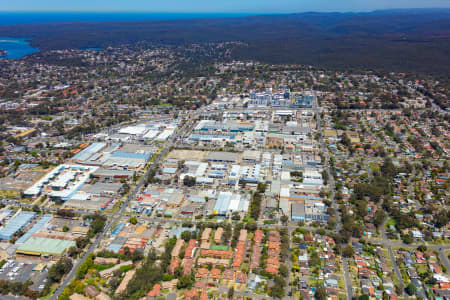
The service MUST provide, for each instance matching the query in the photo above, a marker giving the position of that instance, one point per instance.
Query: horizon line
(220, 12)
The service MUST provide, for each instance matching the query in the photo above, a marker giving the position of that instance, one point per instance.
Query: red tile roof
(190, 247)
(216, 253)
(155, 292)
(239, 255)
(258, 236)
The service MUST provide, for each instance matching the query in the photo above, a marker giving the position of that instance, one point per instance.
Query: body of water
(14, 18)
(15, 47)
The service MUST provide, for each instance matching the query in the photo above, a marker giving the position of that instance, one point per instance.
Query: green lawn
(389, 222)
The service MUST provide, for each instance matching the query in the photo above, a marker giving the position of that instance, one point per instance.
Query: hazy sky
(257, 6)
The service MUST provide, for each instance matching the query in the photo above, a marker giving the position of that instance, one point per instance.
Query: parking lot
(16, 271)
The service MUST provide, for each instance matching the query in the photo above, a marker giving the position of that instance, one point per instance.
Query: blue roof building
(15, 224)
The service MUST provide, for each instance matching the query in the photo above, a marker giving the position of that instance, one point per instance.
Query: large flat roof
(222, 156)
(16, 224)
(41, 246)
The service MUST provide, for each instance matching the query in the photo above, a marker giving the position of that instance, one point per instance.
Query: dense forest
(415, 40)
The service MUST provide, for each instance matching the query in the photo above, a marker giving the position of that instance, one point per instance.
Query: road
(347, 279)
(411, 194)
(287, 289)
(397, 272)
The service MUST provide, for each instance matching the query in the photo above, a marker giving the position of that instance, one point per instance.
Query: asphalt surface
(397, 272)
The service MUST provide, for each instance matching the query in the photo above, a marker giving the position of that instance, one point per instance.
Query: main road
(323, 146)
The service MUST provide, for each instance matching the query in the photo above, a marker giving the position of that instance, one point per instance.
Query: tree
(284, 271)
(411, 289)
(277, 291)
(408, 238)
(65, 213)
(364, 297)
(81, 242)
(230, 293)
(321, 293)
(137, 256)
(398, 289)
(59, 269)
(284, 219)
(133, 220)
(186, 235)
(185, 281)
(65, 265)
(379, 217)
(72, 251)
(422, 248)
(97, 224)
(189, 181)
(348, 251)
(65, 228)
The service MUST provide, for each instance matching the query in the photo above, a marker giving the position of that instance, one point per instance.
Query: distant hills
(415, 40)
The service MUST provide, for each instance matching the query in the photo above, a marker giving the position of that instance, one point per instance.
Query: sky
(244, 6)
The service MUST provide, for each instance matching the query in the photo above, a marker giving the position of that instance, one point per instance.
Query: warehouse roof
(112, 172)
(252, 155)
(298, 209)
(222, 156)
(36, 227)
(16, 224)
(100, 188)
(133, 130)
(42, 246)
(123, 154)
(89, 151)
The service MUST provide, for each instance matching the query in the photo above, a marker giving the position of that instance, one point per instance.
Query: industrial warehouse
(39, 246)
(114, 156)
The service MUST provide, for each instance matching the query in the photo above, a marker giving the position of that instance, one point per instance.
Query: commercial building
(270, 99)
(39, 246)
(40, 224)
(309, 210)
(63, 181)
(114, 156)
(228, 202)
(112, 174)
(224, 157)
(212, 126)
(16, 224)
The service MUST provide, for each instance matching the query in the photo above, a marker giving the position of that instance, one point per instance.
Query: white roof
(151, 134)
(134, 130)
(285, 175)
(284, 192)
(165, 134)
(234, 203)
